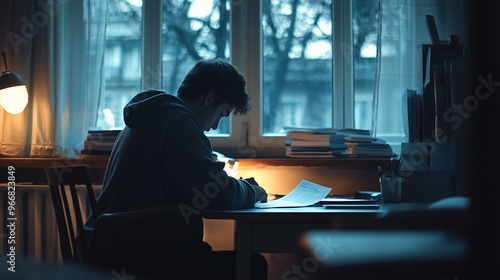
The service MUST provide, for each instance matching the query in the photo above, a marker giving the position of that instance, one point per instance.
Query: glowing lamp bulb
(14, 99)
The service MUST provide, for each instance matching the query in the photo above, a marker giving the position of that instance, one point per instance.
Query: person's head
(213, 89)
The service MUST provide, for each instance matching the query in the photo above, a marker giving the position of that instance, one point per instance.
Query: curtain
(401, 31)
(58, 48)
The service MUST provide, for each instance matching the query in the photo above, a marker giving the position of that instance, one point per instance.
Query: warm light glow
(14, 99)
(231, 164)
(231, 167)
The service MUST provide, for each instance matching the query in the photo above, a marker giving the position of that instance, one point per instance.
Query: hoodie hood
(149, 102)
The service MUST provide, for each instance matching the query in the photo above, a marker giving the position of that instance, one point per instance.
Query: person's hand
(252, 181)
(260, 193)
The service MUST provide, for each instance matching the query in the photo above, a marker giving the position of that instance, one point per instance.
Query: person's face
(210, 115)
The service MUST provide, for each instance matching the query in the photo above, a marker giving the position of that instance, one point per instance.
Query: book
(322, 134)
(334, 143)
(308, 136)
(304, 143)
(309, 154)
(363, 139)
(413, 115)
(100, 142)
(301, 145)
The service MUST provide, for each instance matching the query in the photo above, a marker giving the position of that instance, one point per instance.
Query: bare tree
(366, 14)
(280, 46)
(208, 41)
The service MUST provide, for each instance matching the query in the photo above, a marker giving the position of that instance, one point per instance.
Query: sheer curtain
(402, 29)
(58, 47)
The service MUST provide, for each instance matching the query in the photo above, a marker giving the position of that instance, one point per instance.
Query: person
(162, 156)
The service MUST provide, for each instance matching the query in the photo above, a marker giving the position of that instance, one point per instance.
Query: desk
(277, 230)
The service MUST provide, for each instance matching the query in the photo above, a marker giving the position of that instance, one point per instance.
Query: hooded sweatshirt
(162, 156)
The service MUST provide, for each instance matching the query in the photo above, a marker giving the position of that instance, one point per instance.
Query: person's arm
(187, 156)
(260, 193)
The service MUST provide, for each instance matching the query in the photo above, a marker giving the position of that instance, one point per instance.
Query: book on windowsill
(334, 143)
(322, 134)
(99, 143)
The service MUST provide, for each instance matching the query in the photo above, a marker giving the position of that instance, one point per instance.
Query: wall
(283, 179)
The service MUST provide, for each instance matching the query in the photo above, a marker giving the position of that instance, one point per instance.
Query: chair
(70, 224)
(108, 247)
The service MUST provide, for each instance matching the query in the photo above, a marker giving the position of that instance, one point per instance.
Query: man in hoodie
(162, 157)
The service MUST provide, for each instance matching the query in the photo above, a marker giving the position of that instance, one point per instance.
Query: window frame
(245, 138)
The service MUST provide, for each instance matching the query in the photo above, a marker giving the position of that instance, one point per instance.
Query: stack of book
(335, 143)
(99, 142)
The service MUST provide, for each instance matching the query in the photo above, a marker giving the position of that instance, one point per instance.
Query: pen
(380, 171)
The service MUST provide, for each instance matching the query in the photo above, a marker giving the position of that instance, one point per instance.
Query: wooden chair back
(70, 220)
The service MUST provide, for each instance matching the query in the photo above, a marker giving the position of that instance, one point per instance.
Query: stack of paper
(328, 143)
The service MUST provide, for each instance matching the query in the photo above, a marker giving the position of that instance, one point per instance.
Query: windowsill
(31, 170)
(315, 162)
(268, 161)
(49, 162)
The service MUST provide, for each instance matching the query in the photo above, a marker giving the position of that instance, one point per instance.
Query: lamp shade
(13, 93)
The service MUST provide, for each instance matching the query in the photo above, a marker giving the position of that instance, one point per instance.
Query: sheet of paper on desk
(305, 194)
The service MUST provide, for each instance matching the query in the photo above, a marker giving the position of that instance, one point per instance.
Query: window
(192, 31)
(296, 65)
(364, 36)
(308, 63)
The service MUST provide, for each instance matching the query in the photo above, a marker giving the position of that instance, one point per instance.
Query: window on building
(122, 61)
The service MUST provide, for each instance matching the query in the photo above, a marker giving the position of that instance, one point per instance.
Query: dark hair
(219, 77)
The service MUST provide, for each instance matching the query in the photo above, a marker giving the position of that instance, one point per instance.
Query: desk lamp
(13, 91)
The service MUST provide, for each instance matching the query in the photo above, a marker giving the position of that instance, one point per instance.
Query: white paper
(306, 193)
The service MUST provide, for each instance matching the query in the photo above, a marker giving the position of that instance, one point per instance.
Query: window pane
(297, 64)
(192, 31)
(122, 61)
(364, 27)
